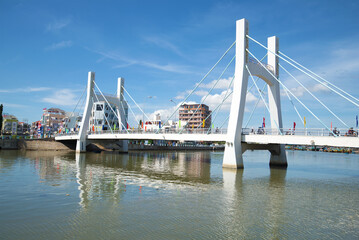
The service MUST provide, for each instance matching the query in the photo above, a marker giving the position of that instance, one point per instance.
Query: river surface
(177, 195)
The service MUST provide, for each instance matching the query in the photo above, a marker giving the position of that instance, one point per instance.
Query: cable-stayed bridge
(237, 137)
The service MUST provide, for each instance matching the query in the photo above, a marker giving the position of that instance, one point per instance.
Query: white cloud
(63, 44)
(63, 97)
(28, 89)
(214, 100)
(300, 91)
(182, 95)
(58, 25)
(222, 83)
(201, 93)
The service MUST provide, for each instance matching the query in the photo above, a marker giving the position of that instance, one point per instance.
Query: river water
(177, 195)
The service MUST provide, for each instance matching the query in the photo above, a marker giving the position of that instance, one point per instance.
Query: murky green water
(177, 195)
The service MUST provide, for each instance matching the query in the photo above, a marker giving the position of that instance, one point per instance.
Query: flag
(204, 122)
(159, 124)
(294, 124)
(93, 128)
(179, 123)
(264, 122)
(128, 126)
(357, 121)
(305, 122)
(192, 126)
(212, 125)
(114, 126)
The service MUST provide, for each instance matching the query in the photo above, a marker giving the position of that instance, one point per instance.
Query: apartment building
(194, 118)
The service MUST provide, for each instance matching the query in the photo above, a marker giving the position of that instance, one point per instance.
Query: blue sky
(162, 48)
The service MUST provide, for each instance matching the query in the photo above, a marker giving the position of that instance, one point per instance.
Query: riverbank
(49, 144)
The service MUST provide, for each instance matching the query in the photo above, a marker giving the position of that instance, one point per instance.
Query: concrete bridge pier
(81, 145)
(278, 158)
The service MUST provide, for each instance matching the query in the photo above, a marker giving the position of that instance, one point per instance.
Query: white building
(154, 125)
(103, 117)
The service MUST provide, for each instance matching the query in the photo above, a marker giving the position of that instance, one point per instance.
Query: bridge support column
(122, 111)
(278, 158)
(123, 146)
(233, 149)
(81, 142)
(81, 145)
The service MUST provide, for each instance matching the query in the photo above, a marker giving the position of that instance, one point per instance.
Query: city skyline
(163, 49)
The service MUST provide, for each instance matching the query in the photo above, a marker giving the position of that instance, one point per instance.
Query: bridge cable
(123, 108)
(314, 96)
(108, 122)
(224, 122)
(75, 106)
(220, 105)
(295, 108)
(319, 77)
(356, 104)
(137, 104)
(214, 85)
(255, 106)
(109, 105)
(223, 100)
(250, 74)
(197, 85)
(227, 92)
(137, 122)
(292, 94)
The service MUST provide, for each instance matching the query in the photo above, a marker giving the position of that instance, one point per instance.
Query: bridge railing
(340, 132)
(163, 131)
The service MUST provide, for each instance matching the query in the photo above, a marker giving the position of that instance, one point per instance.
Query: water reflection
(172, 195)
(107, 175)
(251, 203)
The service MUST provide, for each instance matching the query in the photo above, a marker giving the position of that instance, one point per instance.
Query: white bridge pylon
(233, 149)
(116, 101)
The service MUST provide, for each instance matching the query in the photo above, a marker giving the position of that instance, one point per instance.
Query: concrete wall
(41, 144)
(9, 144)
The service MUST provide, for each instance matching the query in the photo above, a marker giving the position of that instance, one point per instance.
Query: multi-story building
(23, 129)
(52, 120)
(187, 113)
(36, 130)
(103, 117)
(9, 124)
(72, 122)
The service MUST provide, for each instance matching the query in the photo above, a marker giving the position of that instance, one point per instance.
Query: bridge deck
(250, 138)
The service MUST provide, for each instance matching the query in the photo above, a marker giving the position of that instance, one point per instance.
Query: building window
(99, 107)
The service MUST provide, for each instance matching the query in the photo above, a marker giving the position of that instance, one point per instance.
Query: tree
(1, 108)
